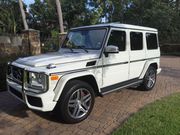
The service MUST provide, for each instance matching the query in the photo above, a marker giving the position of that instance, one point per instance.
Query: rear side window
(136, 40)
(118, 38)
(151, 40)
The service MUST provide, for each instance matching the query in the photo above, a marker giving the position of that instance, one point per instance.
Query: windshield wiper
(68, 48)
(71, 49)
(82, 47)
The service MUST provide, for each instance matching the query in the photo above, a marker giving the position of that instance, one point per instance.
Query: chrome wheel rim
(151, 78)
(79, 103)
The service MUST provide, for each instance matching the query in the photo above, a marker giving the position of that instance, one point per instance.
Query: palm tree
(59, 10)
(23, 15)
(177, 4)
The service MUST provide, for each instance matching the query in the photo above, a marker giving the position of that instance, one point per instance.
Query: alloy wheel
(151, 78)
(79, 103)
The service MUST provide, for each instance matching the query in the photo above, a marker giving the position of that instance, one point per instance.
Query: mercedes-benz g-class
(92, 61)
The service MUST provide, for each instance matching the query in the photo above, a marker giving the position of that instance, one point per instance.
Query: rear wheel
(149, 79)
(76, 102)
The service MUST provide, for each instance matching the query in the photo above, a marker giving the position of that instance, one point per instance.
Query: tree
(177, 4)
(58, 4)
(160, 14)
(118, 9)
(23, 15)
(74, 12)
(99, 11)
(10, 17)
(43, 16)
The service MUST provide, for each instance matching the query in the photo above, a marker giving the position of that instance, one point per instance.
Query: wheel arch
(83, 76)
(90, 79)
(153, 63)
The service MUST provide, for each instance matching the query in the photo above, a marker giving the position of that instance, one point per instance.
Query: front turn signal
(54, 77)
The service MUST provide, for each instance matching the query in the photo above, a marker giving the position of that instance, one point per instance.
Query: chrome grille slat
(16, 74)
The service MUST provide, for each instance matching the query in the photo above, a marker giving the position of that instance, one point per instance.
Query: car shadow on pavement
(50, 116)
(135, 88)
(16, 110)
(11, 106)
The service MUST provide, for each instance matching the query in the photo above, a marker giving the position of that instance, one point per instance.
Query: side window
(151, 40)
(118, 38)
(136, 40)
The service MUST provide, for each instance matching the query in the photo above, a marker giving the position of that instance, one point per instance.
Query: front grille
(15, 92)
(15, 73)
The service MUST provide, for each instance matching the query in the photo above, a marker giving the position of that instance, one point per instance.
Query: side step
(119, 86)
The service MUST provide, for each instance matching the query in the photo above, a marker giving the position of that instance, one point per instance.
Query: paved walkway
(108, 113)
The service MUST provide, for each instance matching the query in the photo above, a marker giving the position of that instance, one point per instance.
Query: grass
(159, 118)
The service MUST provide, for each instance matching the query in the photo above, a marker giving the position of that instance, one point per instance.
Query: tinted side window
(151, 40)
(118, 38)
(136, 40)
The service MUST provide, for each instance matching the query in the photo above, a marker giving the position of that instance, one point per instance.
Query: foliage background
(42, 15)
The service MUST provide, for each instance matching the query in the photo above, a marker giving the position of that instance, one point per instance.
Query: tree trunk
(23, 15)
(58, 4)
(122, 11)
(178, 4)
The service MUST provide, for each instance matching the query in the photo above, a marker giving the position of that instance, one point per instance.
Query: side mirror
(111, 49)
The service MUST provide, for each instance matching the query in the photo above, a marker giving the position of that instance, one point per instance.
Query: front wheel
(76, 102)
(149, 79)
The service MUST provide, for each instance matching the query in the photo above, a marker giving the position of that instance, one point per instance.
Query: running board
(119, 86)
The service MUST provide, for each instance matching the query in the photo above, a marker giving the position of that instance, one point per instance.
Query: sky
(28, 2)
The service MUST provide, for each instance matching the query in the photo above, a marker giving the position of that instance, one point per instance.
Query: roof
(119, 25)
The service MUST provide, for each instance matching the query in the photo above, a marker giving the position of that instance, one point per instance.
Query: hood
(56, 58)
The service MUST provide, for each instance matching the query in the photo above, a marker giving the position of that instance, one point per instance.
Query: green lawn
(159, 118)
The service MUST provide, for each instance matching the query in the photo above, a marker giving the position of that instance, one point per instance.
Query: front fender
(64, 79)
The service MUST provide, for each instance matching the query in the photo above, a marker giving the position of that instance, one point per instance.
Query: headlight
(37, 81)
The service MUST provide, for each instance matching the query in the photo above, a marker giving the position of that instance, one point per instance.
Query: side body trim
(101, 66)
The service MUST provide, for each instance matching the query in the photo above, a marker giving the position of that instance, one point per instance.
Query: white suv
(93, 61)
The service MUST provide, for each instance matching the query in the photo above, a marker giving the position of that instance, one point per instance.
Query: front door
(116, 65)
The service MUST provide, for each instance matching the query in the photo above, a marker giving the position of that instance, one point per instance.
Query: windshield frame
(85, 29)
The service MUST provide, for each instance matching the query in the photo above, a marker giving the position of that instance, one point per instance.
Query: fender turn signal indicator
(54, 77)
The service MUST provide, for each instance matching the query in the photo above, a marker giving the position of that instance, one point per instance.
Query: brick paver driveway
(108, 113)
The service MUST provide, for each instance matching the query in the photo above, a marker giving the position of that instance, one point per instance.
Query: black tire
(64, 108)
(151, 72)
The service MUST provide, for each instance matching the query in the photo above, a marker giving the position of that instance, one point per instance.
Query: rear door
(153, 50)
(137, 53)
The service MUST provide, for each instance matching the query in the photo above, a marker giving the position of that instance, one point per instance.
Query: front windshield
(87, 39)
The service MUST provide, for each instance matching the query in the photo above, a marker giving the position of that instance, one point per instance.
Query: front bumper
(41, 102)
